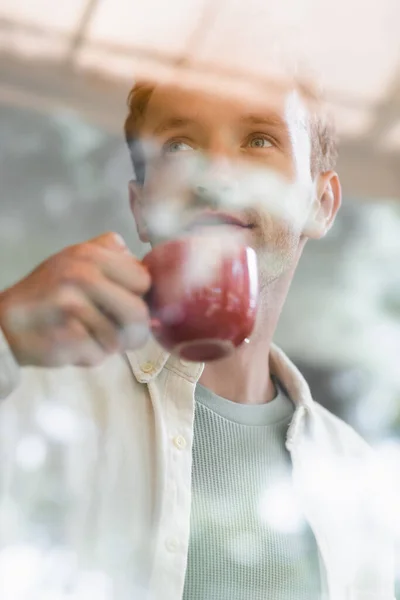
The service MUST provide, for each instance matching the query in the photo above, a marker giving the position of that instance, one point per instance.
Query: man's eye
(176, 146)
(259, 141)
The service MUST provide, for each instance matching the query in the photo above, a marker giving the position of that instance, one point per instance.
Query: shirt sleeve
(9, 369)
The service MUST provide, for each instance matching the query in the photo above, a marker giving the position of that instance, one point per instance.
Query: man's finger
(126, 271)
(111, 241)
(123, 307)
(74, 345)
(75, 303)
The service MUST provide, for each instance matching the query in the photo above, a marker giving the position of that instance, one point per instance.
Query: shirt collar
(148, 362)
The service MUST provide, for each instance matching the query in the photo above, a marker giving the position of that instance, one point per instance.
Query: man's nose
(216, 185)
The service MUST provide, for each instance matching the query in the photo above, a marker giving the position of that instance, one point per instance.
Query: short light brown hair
(138, 100)
(321, 129)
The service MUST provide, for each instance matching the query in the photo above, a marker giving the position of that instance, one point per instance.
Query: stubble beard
(277, 243)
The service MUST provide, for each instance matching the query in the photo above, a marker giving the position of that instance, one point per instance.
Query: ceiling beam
(79, 36)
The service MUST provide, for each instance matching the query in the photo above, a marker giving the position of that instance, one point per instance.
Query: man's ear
(135, 201)
(327, 201)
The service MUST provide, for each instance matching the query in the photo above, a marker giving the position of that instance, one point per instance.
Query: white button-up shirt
(127, 472)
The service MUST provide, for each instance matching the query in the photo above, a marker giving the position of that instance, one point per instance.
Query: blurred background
(65, 73)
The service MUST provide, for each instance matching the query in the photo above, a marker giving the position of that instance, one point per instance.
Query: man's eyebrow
(172, 123)
(272, 119)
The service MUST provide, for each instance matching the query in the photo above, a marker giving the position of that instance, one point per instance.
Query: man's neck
(245, 377)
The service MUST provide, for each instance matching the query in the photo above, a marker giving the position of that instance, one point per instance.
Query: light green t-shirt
(249, 540)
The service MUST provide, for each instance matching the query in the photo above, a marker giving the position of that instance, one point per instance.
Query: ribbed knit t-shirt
(248, 537)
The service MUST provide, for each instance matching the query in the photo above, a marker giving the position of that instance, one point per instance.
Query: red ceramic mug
(203, 302)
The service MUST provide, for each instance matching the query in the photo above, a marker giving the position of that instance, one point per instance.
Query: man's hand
(78, 306)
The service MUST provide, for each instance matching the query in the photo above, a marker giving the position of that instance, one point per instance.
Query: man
(202, 482)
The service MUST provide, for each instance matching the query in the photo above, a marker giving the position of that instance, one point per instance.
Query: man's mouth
(211, 218)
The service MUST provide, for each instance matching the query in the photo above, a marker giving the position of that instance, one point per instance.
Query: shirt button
(185, 363)
(147, 367)
(172, 544)
(180, 442)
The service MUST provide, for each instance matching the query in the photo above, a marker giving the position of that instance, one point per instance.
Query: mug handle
(154, 322)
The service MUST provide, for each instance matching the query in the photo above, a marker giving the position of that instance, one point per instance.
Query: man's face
(238, 160)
